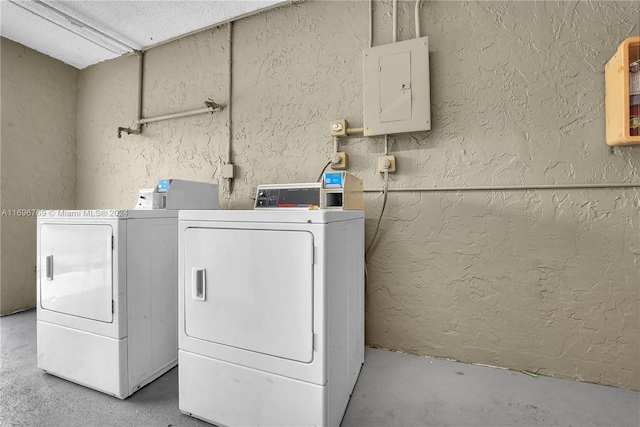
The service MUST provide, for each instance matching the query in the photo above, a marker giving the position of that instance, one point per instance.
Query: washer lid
(250, 289)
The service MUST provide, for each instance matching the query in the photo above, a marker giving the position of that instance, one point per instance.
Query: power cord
(323, 169)
(334, 160)
(385, 192)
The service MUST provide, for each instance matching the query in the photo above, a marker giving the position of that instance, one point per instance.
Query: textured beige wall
(543, 280)
(39, 102)
(178, 77)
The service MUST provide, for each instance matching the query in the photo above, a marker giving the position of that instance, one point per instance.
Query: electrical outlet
(342, 162)
(387, 163)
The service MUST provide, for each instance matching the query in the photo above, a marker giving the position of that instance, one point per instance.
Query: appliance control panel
(301, 196)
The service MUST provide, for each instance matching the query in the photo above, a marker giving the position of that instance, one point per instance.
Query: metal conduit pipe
(507, 188)
(210, 108)
(138, 129)
(417, 18)
(140, 81)
(370, 23)
(395, 20)
(229, 93)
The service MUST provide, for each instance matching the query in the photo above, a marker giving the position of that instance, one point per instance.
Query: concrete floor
(393, 390)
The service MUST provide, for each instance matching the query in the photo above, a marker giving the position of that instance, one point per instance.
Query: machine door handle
(198, 283)
(49, 267)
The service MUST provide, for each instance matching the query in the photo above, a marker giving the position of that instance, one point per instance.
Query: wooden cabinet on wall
(622, 94)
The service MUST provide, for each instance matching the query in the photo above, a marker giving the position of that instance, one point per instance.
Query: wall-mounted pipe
(211, 107)
(138, 129)
(370, 23)
(140, 82)
(508, 188)
(417, 18)
(229, 159)
(395, 20)
(230, 90)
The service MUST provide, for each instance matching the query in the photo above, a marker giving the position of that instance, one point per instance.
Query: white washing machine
(271, 315)
(107, 297)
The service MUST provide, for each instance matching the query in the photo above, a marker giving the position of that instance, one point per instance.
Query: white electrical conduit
(395, 20)
(370, 23)
(417, 18)
(229, 93)
(137, 130)
(504, 188)
(140, 77)
(209, 109)
(386, 190)
(211, 106)
(229, 159)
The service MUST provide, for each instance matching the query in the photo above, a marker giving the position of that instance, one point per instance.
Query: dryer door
(76, 270)
(250, 289)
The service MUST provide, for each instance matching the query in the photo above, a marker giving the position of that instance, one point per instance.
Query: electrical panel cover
(396, 94)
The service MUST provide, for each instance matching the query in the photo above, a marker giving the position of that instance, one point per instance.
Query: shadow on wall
(532, 280)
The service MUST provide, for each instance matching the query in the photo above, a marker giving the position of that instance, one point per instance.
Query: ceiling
(85, 32)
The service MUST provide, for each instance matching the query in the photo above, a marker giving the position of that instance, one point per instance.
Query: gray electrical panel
(397, 96)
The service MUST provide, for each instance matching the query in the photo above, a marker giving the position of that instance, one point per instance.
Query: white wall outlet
(387, 163)
(339, 160)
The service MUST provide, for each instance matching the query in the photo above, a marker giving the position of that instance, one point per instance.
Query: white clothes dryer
(107, 297)
(271, 315)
